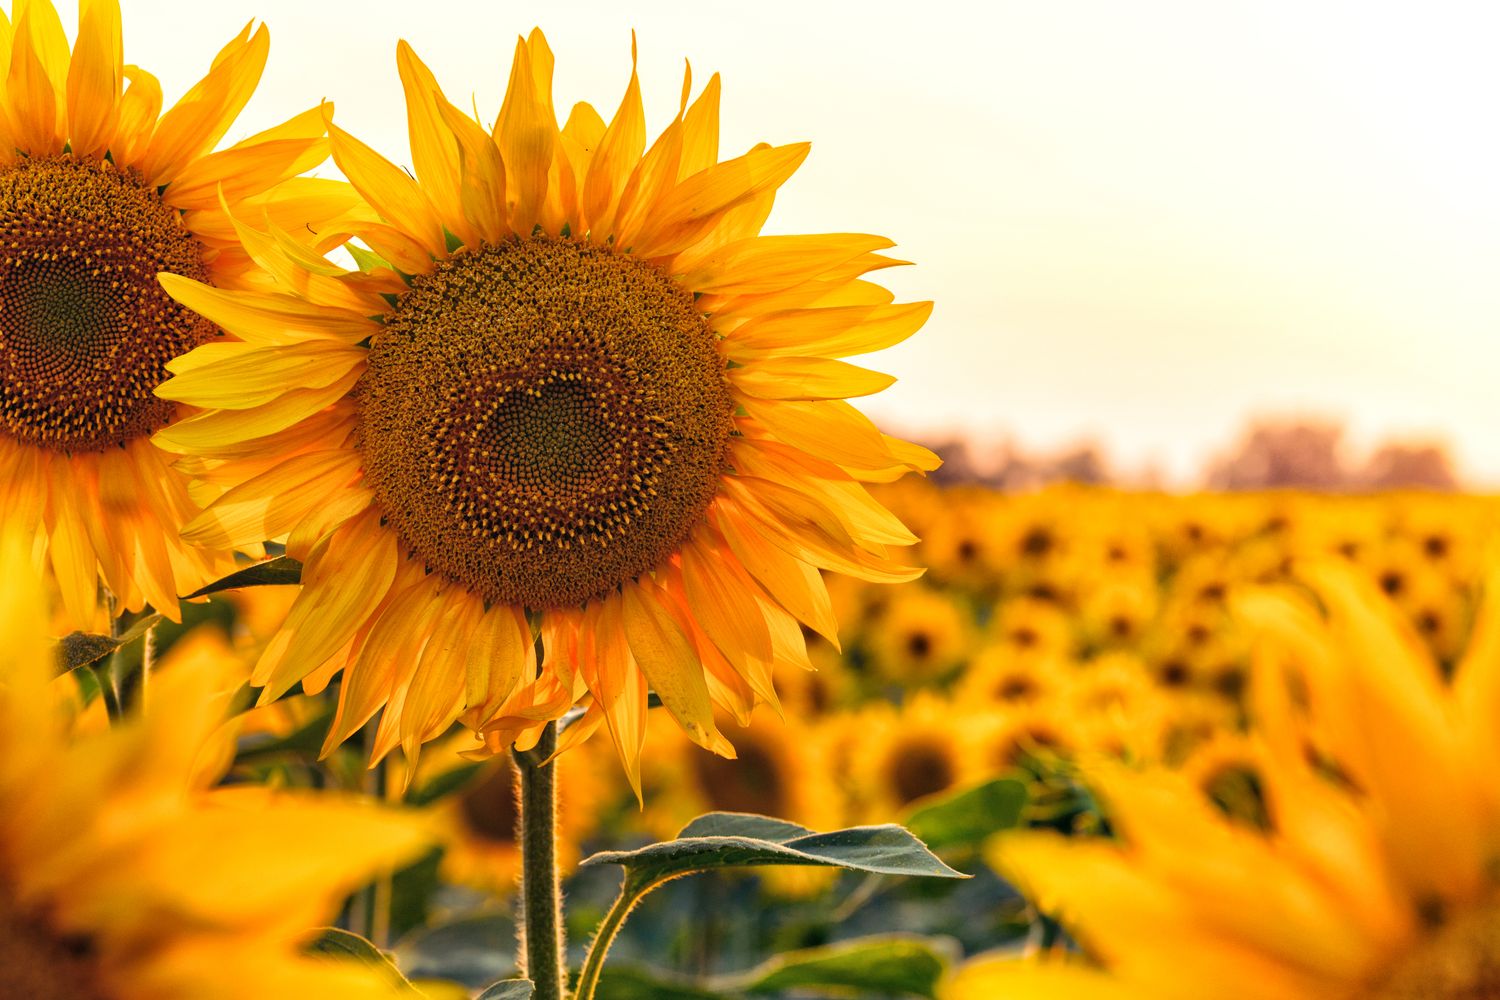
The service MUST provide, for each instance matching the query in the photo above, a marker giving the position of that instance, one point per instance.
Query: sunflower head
(101, 191)
(85, 329)
(572, 395)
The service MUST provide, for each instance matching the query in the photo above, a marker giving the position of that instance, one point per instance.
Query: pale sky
(1141, 222)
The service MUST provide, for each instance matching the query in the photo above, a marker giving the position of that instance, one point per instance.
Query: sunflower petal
(667, 659)
(201, 118)
(94, 78)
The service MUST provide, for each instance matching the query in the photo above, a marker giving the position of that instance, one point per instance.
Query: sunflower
(1000, 674)
(901, 756)
(574, 383)
(1374, 875)
(100, 191)
(124, 877)
(922, 636)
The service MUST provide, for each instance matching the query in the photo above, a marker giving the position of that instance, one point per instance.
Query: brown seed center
(41, 965)
(543, 420)
(85, 329)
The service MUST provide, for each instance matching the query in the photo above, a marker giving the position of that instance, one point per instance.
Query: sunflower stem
(540, 927)
(604, 936)
(105, 683)
(148, 663)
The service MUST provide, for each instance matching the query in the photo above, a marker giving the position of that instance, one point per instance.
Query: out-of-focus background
(1145, 225)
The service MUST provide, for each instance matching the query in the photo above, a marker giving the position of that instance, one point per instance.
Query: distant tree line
(1270, 454)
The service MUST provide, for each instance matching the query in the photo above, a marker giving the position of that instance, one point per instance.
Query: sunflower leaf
(970, 816)
(509, 989)
(337, 943)
(896, 965)
(278, 572)
(738, 840)
(306, 740)
(81, 649)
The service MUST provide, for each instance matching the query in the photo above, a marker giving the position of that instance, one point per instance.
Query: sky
(1141, 223)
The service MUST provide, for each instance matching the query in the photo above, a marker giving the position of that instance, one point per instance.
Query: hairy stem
(540, 927)
(604, 936)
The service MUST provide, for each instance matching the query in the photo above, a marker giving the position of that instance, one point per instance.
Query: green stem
(540, 928)
(604, 936)
(148, 662)
(105, 682)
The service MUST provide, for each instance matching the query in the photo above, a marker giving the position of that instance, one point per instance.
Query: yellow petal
(716, 589)
(526, 132)
(259, 318)
(398, 198)
(31, 100)
(666, 658)
(343, 581)
(835, 332)
(482, 175)
(254, 165)
(433, 150)
(68, 547)
(139, 106)
(501, 658)
(94, 78)
(270, 505)
(765, 264)
(828, 429)
(700, 132)
(200, 119)
(794, 585)
(614, 158)
(622, 690)
(807, 378)
(700, 201)
(215, 428)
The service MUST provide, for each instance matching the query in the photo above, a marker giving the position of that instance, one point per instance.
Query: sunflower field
(470, 580)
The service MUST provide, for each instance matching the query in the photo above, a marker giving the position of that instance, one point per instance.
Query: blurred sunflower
(903, 755)
(100, 191)
(922, 636)
(574, 382)
(1375, 875)
(1000, 674)
(1034, 626)
(123, 877)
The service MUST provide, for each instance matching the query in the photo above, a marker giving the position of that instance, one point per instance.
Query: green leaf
(887, 965)
(278, 572)
(899, 964)
(726, 824)
(306, 740)
(334, 942)
(509, 989)
(737, 840)
(970, 816)
(81, 649)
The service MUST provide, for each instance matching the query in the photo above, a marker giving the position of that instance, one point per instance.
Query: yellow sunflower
(100, 191)
(123, 877)
(901, 756)
(1369, 871)
(922, 636)
(574, 382)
